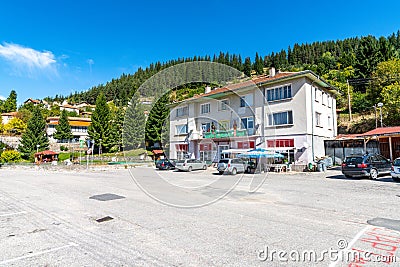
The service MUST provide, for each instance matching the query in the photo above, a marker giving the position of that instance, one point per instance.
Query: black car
(165, 164)
(365, 166)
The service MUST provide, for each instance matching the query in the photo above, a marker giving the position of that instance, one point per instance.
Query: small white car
(232, 166)
(395, 171)
(190, 165)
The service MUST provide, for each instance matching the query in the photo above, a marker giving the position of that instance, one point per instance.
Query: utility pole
(376, 117)
(349, 100)
(380, 105)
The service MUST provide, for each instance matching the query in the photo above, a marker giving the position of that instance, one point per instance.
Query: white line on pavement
(13, 213)
(350, 245)
(38, 253)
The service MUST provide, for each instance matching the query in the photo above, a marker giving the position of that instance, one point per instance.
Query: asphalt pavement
(144, 217)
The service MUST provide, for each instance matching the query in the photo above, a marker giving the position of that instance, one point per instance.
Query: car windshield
(224, 161)
(396, 162)
(354, 160)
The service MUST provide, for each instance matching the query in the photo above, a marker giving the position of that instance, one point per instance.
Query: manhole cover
(106, 197)
(387, 223)
(104, 219)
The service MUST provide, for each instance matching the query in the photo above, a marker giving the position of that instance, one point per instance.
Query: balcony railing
(226, 134)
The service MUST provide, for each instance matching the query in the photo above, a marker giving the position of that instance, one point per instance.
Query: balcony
(226, 134)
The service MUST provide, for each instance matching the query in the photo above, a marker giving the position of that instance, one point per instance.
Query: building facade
(79, 126)
(289, 112)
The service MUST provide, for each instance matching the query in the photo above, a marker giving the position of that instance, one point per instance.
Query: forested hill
(354, 59)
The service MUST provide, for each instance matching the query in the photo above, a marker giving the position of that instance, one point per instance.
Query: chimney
(272, 72)
(208, 89)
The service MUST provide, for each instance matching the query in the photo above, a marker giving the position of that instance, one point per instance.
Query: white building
(79, 126)
(289, 112)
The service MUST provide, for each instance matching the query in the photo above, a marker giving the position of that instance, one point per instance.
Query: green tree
(63, 129)
(391, 100)
(156, 119)
(134, 126)
(100, 127)
(386, 73)
(35, 135)
(247, 67)
(10, 105)
(258, 65)
(15, 126)
(10, 156)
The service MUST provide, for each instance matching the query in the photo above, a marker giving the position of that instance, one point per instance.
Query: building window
(224, 104)
(316, 95)
(246, 100)
(205, 127)
(280, 118)
(329, 101)
(181, 129)
(205, 108)
(324, 99)
(318, 119)
(329, 123)
(279, 93)
(248, 123)
(183, 111)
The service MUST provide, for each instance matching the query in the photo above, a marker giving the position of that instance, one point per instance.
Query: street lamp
(380, 105)
(37, 148)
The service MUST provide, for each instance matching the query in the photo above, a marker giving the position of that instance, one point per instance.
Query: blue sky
(57, 47)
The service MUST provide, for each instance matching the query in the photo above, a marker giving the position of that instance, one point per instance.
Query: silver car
(232, 166)
(190, 165)
(395, 172)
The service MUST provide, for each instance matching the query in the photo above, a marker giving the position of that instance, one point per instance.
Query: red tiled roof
(383, 131)
(158, 151)
(46, 152)
(13, 114)
(348, 136)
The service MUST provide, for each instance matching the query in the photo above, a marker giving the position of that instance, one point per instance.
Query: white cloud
(26, 59)
(2, 97)
(90, 61)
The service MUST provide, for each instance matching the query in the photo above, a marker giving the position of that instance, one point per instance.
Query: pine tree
(247, 67)
(117, 129)
(134, 125)
(63, 129)
(100, 127)
(258, 65)
(10, 105)
(35, 135)
(155, 121)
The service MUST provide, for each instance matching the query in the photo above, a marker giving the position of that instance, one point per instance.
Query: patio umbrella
(260, 153)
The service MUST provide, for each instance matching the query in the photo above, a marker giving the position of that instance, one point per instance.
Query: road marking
(350, 245)
(13, 213)
(71, 244)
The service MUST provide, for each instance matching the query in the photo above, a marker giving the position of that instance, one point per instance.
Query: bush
(63, 148)
(10, 156)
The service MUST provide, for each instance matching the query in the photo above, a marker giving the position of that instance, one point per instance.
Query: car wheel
(373, 174)
(205, 167)
(348, 176)
(395, 179)
(221, 172)
(190, 168)
(234, 171)
(248, 170)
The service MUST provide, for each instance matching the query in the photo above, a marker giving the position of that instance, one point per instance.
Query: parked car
(232, 166)
(165, 164)
(365, 166)
(395, 172)
(190, 165)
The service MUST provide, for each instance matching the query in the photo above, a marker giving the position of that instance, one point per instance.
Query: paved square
(48, 219)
